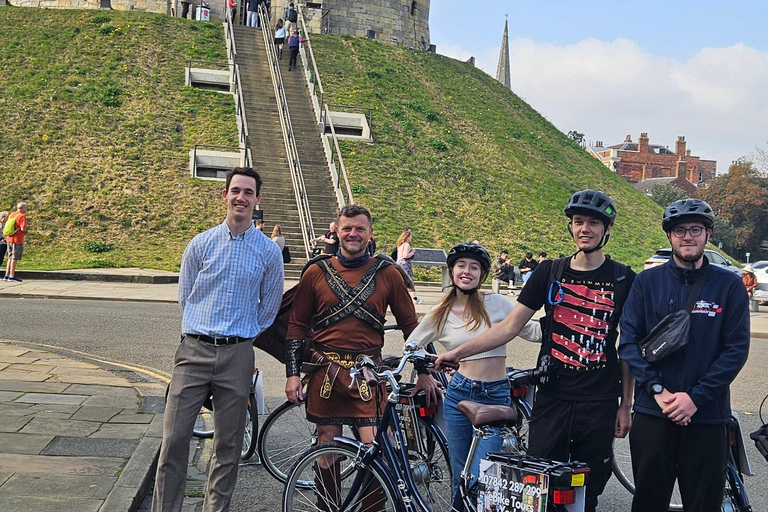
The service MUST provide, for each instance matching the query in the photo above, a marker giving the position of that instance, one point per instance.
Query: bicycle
(405, 468)
(735, 497)
(203, 428)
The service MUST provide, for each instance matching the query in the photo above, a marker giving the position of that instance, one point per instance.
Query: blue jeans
(459, 429)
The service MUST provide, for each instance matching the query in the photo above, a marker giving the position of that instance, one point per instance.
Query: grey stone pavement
(83, 435)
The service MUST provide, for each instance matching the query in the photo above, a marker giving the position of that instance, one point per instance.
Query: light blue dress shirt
(230, 286)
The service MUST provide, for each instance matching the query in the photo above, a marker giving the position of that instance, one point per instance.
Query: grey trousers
(200, 368)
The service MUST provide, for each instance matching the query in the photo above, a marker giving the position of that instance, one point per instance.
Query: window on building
(413, 8)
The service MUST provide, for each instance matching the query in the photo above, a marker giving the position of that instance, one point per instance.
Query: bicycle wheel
(251, 433)
(431, 468)
(622, 468)
(284, 436)
(335, 477)
(519, 442)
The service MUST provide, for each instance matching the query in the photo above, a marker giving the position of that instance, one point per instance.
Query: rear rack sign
(504, 488)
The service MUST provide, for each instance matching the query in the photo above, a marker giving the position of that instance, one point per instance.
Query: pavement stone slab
(11, 424)
(34, 504)
(47, 464)
(48, 398)
(11, 373)
(9, 396)
(85, 376)
(18, 359)
(102, 414)
(59, 486)
(133, 417)
(121, 431)
(30, 387)
(74, 428)
(112, 391)
(110, 401)
(23, 443)
(90, 447)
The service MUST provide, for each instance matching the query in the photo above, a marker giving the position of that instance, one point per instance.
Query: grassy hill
(458, 157)
(95, 125)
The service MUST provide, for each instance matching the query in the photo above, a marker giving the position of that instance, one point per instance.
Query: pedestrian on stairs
(253, 13)
(279, 38)
(291, 16)
(294, 42)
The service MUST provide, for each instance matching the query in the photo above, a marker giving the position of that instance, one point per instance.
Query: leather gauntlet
(293, 351)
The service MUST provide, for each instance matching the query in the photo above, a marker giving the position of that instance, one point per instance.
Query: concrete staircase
(268, 149)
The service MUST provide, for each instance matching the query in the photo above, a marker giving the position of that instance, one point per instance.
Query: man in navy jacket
(682, 402)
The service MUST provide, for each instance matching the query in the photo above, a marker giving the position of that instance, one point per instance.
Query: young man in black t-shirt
(577, 414)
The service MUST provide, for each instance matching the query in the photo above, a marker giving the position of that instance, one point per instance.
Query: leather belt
(219, 340)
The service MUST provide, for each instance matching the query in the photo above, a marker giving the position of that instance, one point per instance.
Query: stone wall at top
(402, 22)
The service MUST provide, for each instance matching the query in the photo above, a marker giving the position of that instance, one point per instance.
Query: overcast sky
(610, 69)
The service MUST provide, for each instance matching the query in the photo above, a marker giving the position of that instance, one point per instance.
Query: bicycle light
(563, 496)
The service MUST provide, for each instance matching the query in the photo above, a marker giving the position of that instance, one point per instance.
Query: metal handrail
(322, 116)
(334, 172)
(291, 151)
(242, 125)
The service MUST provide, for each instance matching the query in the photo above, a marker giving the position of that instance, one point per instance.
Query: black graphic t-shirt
(582, 341)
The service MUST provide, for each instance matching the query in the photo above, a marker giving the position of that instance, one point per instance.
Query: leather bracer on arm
(293, 351)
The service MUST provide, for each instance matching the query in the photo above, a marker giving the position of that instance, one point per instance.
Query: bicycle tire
(251, 432)
(299, 497)
(622, 469)
(204, 429)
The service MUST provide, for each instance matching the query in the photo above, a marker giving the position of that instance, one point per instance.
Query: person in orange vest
(14, 237)
(749, 279)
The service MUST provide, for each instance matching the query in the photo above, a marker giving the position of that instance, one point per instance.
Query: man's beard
(689, 259)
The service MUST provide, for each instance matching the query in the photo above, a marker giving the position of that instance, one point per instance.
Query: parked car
(762, 277)
(759, 264)
(715, 258)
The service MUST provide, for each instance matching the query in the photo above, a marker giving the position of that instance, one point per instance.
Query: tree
(576, 137)
(760, 160)
(741, 198)
(665, 194)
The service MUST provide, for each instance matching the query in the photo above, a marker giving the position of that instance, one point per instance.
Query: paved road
(147, 334)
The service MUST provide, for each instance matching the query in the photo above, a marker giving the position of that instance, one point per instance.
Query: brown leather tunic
(344, 405)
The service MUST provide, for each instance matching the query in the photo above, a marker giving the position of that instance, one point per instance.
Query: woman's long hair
(276, 231)
(279, 24)
(475, 304)
(403, 238)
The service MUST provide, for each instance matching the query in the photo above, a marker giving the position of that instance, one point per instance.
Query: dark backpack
(293, 16)
(620, 293)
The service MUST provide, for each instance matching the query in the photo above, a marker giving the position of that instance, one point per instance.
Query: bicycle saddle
(481, 415)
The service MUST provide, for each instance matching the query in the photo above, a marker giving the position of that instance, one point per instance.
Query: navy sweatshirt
(718, 343)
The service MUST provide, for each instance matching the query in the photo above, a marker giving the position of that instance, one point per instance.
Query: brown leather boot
(328, 483)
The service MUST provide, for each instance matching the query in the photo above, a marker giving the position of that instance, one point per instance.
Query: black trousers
(294, 54)
(565, 430)
(694, 455)
(185, 10)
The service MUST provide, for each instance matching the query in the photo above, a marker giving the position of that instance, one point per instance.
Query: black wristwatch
(656, 389)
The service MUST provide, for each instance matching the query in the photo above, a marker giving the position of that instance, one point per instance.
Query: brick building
(640, 161)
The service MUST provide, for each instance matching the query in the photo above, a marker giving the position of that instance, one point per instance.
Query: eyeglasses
(694, 231)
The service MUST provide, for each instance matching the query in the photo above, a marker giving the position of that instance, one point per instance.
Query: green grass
(96, 124)
(459, 157)
(95, 129)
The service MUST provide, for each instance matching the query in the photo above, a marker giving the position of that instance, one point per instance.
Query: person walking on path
(279, 38)
(230, 289)
(405, 254)
(14, 230)
(3, 243)
(682, 405)
(462, 314)
(294, 43)
(503, 272)
(576, 415)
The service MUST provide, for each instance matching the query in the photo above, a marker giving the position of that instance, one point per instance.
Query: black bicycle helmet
(687, 210)
(469, 250)
(592, 202)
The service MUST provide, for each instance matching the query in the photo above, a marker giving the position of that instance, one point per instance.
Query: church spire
(502, 72)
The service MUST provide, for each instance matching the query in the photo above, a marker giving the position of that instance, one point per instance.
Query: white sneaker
(418, 300)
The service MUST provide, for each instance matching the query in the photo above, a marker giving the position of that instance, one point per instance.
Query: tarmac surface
(83, 434)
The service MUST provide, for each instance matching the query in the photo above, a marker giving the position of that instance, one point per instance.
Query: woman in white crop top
(461, 315)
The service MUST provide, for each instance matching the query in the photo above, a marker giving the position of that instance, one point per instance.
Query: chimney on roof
(642, 143)
(687, 152)
(628, 138)
(598, 144)
(680, 146)
(681, 168)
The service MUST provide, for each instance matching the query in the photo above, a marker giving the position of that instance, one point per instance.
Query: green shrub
(98, 246)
